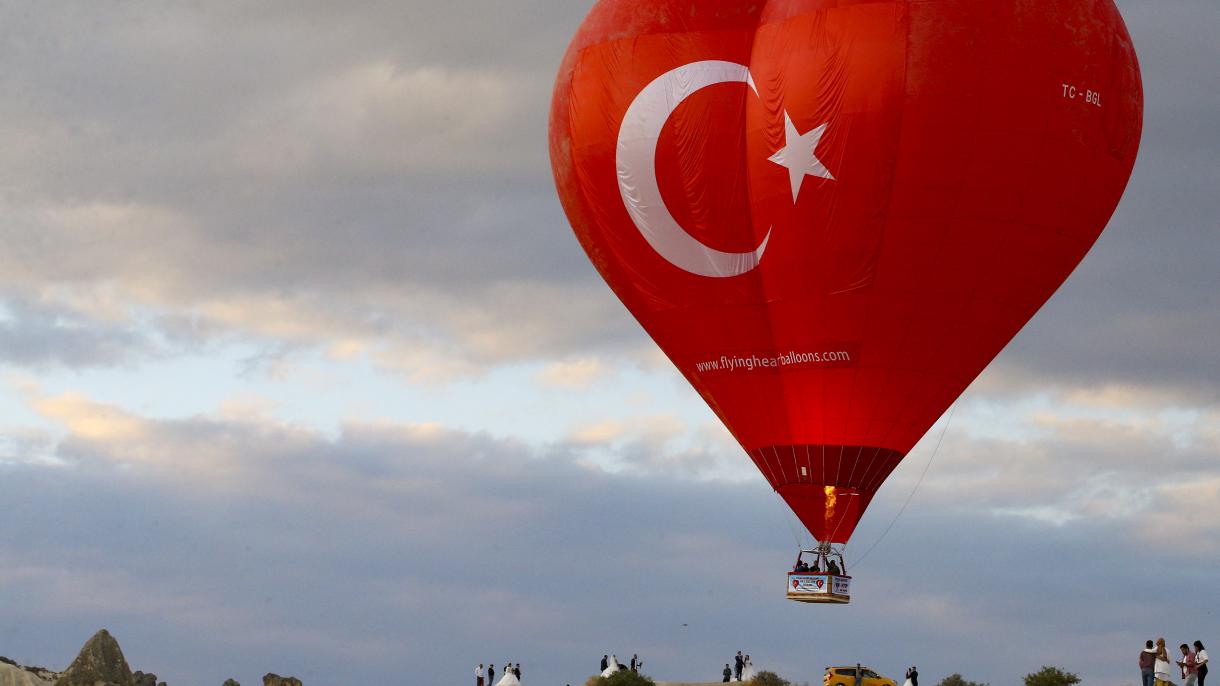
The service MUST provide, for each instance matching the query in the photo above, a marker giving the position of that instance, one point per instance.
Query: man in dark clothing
(859, 669)
(738, 665)
(832, 568)
(517, 671)
(491, 672)
(605, 663)
(727, 673)
(1148, 664)
(914, 676)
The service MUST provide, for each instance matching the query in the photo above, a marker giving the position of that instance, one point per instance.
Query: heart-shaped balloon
(832, 215)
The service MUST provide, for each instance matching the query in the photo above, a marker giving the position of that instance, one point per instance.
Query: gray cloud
(37, 335)
(304, 175)
(220, 546)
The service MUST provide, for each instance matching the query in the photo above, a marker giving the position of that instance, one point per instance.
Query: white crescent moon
(636, 160)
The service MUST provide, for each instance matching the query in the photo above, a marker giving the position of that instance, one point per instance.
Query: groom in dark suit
(738, 664)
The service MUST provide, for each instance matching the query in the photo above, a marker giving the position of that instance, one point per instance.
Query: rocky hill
(100, 663)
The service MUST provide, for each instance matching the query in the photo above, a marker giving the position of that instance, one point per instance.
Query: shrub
(623, 677)
(1051, 676)
(769, 679)
(957, 680)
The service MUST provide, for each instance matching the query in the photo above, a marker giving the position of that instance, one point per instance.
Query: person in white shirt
(479, 675)
(1201, 661)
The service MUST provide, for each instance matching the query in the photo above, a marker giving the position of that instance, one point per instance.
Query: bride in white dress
(509, 679)
(747, 669)
(612, 666)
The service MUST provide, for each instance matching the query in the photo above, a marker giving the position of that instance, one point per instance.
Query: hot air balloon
(831, 216)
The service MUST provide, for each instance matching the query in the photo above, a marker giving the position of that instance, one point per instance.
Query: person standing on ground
(914, 675)
(1161, 669)
(491, 673)
(747, 669)
(1190, 673)
(509, 678)
(479, 675)
(859, 674)
(727, 673)
(517, 670)
(738, 664)
(1148, 664)
(605, 663)
(1201, 661)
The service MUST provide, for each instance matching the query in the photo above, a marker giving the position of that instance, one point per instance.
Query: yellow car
(846, 676)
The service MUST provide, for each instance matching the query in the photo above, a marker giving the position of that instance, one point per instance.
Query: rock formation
(142, 679)
(277, 680)
(13, 674)
(100, 663)
(230, 682)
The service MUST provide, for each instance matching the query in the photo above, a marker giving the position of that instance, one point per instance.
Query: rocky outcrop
(142, 679)
(100, 663)
(12, 674)
(277, 680)
(230, 682)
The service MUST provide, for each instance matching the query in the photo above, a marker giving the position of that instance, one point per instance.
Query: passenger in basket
(833, 568)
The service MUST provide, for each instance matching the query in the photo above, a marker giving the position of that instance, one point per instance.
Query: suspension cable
(911, 495)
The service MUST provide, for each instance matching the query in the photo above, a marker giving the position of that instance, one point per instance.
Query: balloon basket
(832, 589)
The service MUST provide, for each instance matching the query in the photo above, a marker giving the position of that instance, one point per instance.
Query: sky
(302, 371)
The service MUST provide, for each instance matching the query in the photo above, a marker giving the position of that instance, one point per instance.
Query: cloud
(386, 190)
(395, 543)
(374, 185)
(41, 333)
(573, 374)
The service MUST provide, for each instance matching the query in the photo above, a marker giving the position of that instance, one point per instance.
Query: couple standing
(512, 675)
(912, 677)
(610, 664)
(743, 669)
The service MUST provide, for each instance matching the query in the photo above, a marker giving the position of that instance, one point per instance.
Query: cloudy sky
(302, 371)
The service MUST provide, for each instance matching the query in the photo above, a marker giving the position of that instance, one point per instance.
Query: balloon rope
(787, 515)
(911, 495)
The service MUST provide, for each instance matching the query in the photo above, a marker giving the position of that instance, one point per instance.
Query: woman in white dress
(509, 679)
(747, 669)
(612, 666)
(1161, 668)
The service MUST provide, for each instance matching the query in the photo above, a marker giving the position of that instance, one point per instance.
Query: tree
(957, 680)
(1051, 676)
(769, 679)
(622, 677)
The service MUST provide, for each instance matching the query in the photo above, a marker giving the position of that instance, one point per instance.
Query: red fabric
(977, 150)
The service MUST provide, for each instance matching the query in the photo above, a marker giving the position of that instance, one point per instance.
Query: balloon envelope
(832, 215)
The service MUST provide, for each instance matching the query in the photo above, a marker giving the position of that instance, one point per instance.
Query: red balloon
(831, 215)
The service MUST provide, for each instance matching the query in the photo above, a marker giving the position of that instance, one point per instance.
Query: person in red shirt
(1190, 673)
(1148, 664)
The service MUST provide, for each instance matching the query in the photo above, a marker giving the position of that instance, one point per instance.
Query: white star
(798, 155)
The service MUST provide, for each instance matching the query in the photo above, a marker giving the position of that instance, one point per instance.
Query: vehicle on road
(846, 676)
